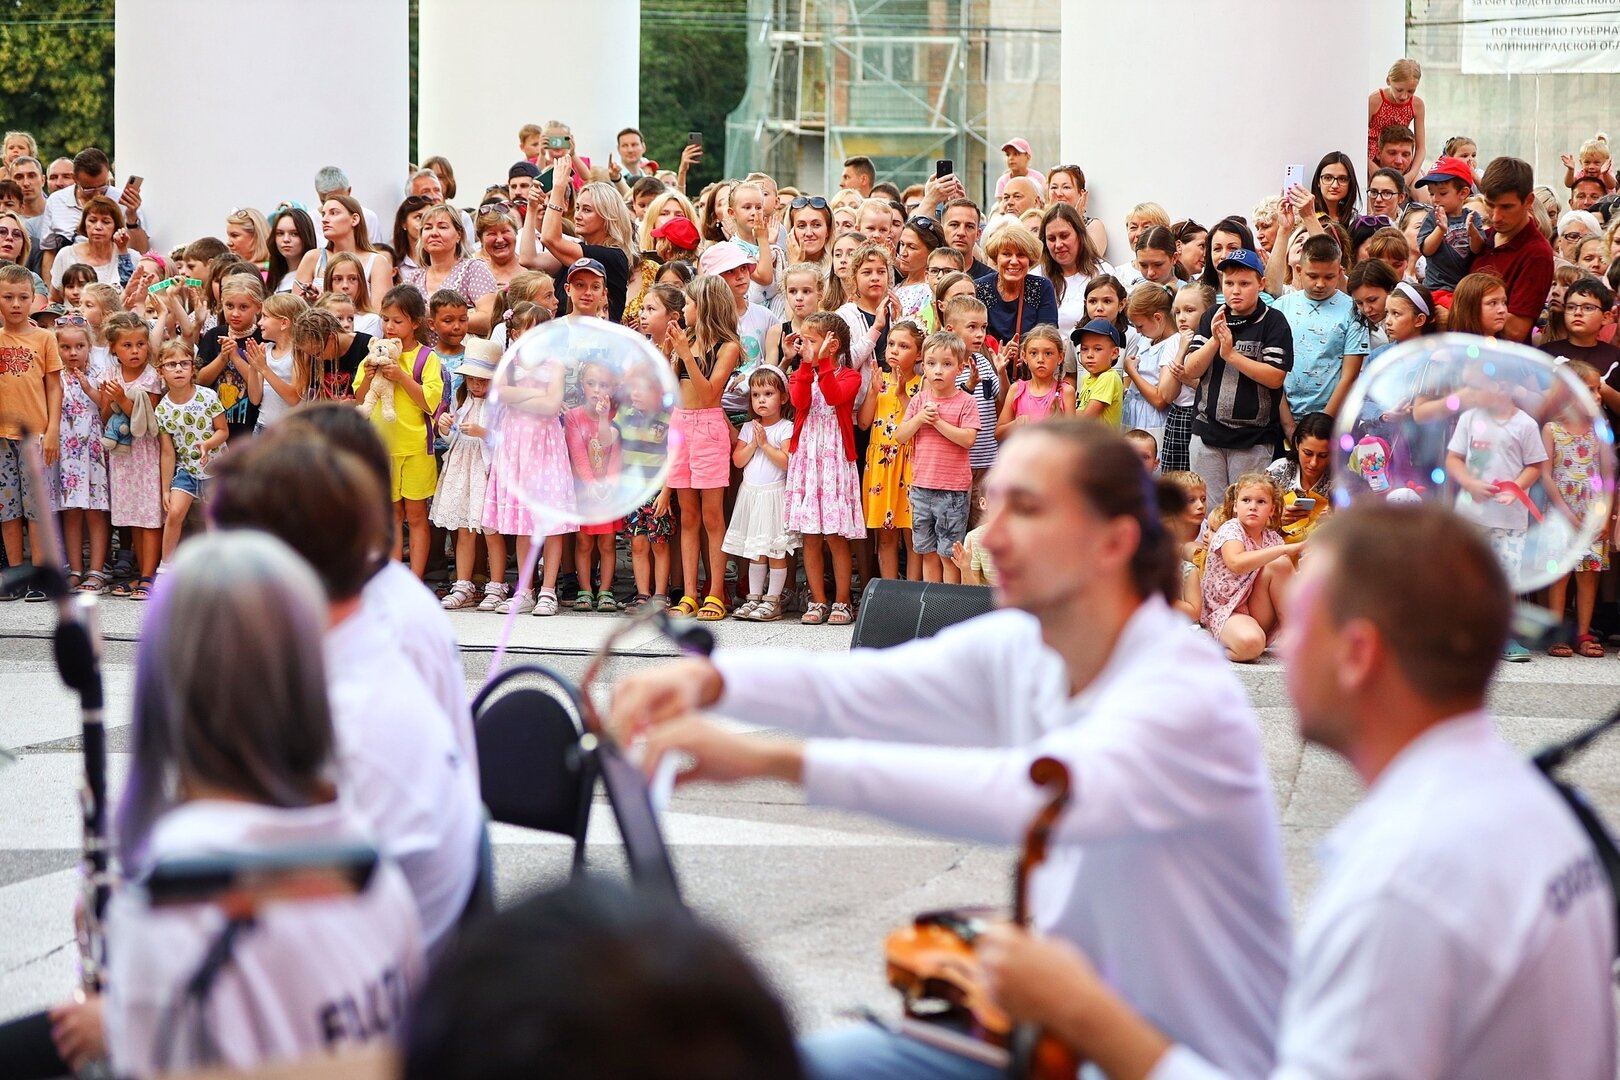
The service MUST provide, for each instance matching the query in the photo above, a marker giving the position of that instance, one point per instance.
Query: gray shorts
(16, 492)
(938, 520)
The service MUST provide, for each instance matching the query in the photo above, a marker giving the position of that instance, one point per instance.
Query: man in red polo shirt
(1515, 250)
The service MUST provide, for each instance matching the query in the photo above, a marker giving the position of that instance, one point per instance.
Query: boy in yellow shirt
(1102, 391)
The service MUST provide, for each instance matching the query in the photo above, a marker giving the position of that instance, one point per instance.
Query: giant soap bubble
(579, 427)
(1461, 420)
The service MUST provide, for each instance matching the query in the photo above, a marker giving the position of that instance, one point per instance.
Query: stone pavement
(810, 892)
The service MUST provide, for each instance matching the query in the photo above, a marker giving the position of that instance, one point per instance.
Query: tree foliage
(57, 56)
(692, 75)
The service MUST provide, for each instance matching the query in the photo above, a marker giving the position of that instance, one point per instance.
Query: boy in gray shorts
(941, 423)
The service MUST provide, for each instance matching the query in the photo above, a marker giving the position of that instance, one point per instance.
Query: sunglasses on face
(70, 320)
(815, 202)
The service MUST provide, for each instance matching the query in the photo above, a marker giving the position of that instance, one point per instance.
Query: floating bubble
(580, 421)
(1460, 420)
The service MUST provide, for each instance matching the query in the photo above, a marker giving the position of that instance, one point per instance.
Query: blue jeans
(868, 1052)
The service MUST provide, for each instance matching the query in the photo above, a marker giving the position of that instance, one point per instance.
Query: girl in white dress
(458, 503)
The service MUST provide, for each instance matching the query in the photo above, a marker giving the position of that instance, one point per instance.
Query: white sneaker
(522, 602)
(494, 593)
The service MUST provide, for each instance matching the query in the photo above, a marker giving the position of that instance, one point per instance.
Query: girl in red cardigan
(823, 488)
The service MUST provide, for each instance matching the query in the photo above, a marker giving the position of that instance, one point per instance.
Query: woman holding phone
(1304, 476)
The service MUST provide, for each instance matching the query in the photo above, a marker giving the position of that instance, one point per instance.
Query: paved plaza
(810, 892)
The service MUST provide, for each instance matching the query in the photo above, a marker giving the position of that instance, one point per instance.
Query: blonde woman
(670, 204)
(247, 233)
(443, 262)
(604, 231)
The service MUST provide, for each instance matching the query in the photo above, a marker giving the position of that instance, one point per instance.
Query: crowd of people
(879, 383)
(848, 364)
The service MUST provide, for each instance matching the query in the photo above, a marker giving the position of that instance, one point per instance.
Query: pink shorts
(699, 449)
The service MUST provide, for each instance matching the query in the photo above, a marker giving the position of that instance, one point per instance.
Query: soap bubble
(579, 421)
(1454, 419)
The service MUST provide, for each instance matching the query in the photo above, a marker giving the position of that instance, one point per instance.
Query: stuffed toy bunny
(382, 352)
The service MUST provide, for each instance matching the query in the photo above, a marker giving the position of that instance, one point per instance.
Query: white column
(487, 67)
(225, 105)
(1200, 105)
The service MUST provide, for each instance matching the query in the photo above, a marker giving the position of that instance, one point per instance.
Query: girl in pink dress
(134, 483)
(531, 462)
(1247, 568)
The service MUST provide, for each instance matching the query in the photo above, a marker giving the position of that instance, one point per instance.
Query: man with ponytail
(1166, 865)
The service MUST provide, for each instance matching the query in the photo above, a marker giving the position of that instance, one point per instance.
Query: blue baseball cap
(585, 266)
(1247, 258)
(1101, 327)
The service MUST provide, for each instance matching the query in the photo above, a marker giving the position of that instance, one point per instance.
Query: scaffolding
(898, 81)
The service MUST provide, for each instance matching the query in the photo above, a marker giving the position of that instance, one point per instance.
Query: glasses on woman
(1568, 238)
(494, 206)
(1336, 179)
(70, 320)
(927, 225)
(1382, 194)
(815, 202)
(1374, 221)
(11, 234)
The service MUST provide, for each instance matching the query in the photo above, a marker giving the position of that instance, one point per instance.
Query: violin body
(932, 963)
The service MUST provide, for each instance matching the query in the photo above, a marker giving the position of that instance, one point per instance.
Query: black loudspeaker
(893, 612)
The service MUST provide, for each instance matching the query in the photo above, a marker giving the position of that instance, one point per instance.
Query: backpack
(418, 366)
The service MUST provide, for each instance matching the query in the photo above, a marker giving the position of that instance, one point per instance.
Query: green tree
(694, 67)
(58, 86)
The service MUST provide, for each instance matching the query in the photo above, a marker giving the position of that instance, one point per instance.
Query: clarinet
(77, 648)
(78, 655)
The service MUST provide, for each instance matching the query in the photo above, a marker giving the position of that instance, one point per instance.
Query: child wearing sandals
(823, 487)
(1247, 568)
(81, 466)
(192, 426)
(758, 531)
(458, 502)
(134, 475)
(594, 453)
(1570, 476)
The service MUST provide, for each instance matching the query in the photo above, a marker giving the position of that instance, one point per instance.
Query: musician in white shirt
(1167, 861)
(1464, 927)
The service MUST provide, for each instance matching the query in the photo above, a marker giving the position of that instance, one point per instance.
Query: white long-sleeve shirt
(1166, 867)
(1463, 928)
(401, 766)
(309, 977)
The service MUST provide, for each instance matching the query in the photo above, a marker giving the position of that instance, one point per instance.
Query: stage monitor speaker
(893, 612)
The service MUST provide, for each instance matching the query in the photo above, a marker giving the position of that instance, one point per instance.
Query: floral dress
(823, 489)
(887, 495)
(459, 501)
(81, 468)
(1575, 474)
(134, 486)
(1224, 591)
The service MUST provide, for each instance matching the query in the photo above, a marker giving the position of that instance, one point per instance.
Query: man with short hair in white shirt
(1167, 861)
(1463, 927)
(399, 761)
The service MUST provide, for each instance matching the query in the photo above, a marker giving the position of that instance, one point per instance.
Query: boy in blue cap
(1240, 353)
(1102, 389)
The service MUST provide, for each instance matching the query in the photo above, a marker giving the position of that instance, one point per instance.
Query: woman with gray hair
(223, 768)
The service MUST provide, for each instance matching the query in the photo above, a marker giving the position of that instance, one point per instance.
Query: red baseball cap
(680, 232)
(1448, 168)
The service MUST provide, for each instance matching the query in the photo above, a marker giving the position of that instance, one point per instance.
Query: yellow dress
(886, 497)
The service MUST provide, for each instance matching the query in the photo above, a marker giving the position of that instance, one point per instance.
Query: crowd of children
(841, 391)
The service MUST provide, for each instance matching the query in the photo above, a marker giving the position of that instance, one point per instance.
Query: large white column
(232, 104)
(487, 67)
(1200, 105)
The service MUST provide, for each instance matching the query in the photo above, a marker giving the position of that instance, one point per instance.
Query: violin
(932, 964)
